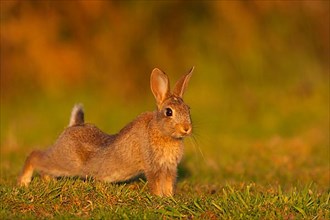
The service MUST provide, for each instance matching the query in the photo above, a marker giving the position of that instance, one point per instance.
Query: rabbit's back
(75, 147)
(88, 135)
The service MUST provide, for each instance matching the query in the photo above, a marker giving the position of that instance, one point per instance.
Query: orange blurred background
(53, 46)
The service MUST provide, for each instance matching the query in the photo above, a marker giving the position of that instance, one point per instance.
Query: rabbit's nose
(186, 129)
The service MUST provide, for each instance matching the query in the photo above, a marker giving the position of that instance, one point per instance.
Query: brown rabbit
(151, 144)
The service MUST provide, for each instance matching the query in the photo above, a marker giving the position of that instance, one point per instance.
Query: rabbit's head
(173, 115)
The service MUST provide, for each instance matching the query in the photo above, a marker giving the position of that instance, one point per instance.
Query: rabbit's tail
(77, 115)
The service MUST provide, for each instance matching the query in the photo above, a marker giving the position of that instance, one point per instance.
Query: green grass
(71, 198)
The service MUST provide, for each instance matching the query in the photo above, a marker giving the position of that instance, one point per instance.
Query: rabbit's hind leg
(34, 161)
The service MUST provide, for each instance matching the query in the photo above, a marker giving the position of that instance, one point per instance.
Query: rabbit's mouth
(180, 136)
(182, 132)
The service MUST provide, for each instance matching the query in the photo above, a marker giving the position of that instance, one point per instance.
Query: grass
(71, 198)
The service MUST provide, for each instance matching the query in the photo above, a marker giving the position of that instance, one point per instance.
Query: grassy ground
(70, 198)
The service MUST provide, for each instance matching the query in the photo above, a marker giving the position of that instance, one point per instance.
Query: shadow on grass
(182, 173)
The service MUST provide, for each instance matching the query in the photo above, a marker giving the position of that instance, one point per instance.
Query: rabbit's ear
(160, 85)
(181, 85)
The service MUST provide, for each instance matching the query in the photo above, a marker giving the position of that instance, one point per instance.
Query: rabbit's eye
(168, 112)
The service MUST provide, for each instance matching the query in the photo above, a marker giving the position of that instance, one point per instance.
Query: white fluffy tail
(77, 115)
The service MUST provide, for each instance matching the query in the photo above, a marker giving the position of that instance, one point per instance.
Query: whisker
(194, 142)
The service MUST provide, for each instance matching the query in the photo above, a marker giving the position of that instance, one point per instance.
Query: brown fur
(151, 144)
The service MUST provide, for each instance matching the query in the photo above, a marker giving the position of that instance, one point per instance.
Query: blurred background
(259, 94)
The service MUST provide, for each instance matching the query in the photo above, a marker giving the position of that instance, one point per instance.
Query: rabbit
(152, 144)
